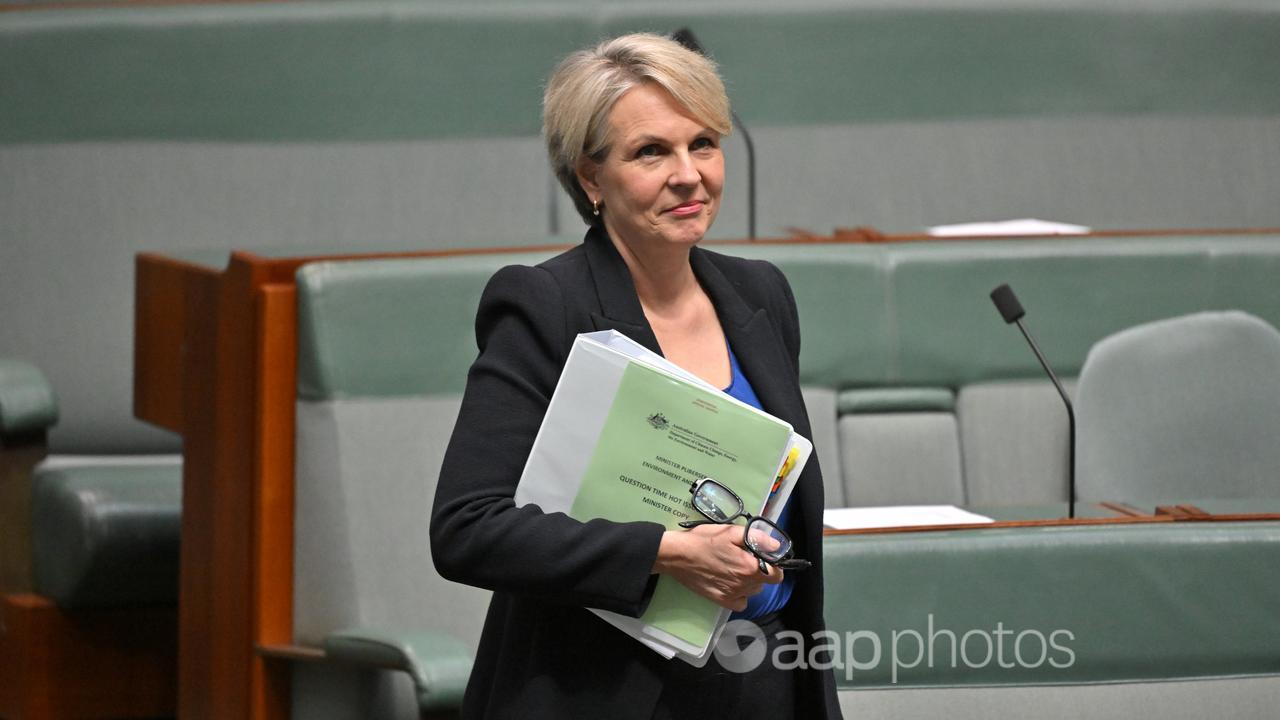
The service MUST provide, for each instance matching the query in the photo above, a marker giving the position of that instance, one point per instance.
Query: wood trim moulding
(196, 369)
(304, 653)
(276, 337)
(1122, 509)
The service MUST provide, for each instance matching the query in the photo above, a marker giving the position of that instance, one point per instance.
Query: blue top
(773, 597)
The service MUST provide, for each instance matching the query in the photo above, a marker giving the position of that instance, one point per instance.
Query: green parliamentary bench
(901, 347)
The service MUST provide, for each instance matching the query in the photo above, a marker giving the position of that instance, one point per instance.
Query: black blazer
(542, 655)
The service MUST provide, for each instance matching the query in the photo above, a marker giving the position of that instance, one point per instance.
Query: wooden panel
(276, 365)
(196, 589)
(159, 318)
(225, 500)
(17, 458)
(231, 509)
(102, 663)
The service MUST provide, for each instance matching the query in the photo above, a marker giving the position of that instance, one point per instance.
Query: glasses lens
(768, 540)
(716, 501)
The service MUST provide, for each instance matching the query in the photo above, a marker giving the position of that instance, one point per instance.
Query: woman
(633, 128)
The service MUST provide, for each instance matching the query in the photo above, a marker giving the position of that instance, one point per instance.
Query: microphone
(1012, 312)
(685, 37)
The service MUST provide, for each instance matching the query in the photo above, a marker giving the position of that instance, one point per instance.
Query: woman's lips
(693, 207)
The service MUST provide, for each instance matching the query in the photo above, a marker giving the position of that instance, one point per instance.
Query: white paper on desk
(1012, 228)
(553, 473)
(863, 518)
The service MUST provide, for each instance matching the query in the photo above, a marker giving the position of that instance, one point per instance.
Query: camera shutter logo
(741, 647)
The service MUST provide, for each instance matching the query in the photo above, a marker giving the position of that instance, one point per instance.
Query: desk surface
(1102, 513)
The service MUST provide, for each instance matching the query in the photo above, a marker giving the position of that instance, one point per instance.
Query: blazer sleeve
(478, 535)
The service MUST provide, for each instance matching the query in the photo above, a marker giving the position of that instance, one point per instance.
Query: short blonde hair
(585, 86)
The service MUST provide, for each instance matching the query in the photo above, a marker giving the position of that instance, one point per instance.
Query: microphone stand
(751, 175)
(1011, 310)
(1071, 421)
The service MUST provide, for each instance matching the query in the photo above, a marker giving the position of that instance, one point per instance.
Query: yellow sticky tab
(787, 465)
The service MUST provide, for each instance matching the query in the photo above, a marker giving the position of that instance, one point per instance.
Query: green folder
(626, 436)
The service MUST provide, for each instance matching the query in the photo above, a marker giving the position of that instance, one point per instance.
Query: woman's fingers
(765, 541)
(711, 561)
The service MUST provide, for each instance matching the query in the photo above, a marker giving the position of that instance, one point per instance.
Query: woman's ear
(587, 170)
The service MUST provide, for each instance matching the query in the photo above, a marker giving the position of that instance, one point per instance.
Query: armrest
(27, 402)
(107, 535)
(438, 663)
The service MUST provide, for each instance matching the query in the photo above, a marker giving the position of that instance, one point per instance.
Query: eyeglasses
(770, 544)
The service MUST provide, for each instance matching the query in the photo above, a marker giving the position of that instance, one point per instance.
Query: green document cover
(661, 435)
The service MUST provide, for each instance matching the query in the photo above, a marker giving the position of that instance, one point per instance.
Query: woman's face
(660, 183)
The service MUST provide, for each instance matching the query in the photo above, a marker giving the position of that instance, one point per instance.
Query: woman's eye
(648, 151)
(703, 143)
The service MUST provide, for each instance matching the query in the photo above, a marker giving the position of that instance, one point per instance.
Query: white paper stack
(864, 518)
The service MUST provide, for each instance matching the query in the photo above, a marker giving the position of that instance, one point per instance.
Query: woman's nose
(685, 171)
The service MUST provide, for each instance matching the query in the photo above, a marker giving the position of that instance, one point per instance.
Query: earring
(595, 208)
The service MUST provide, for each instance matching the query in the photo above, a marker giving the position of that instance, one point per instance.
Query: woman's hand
(711, 561)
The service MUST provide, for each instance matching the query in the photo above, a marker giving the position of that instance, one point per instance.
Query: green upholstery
(438, 664)
(845, 322)
(1248, 698)
(904, 399)
(900, 458)
(1185, 407)
(1140, 602)
(280, 71)
(27, 402)
(269, 71)
(911, 315)
(822, 63)
(919, 314)
(365, 478)
(390, 327)
(1074, 292)
(1014, 441)
(106, 534)
(821, 404)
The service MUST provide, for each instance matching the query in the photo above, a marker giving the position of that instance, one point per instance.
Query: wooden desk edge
(304, 653)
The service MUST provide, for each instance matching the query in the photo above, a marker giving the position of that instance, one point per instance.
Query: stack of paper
(864, 518)
(625, 436)
(1012, 228)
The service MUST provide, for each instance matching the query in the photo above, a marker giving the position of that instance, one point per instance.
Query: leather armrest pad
(438, 663)
(27, 402)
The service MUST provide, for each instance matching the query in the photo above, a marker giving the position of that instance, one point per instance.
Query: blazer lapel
(749, 329)
(756, 342)
(616, 292)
